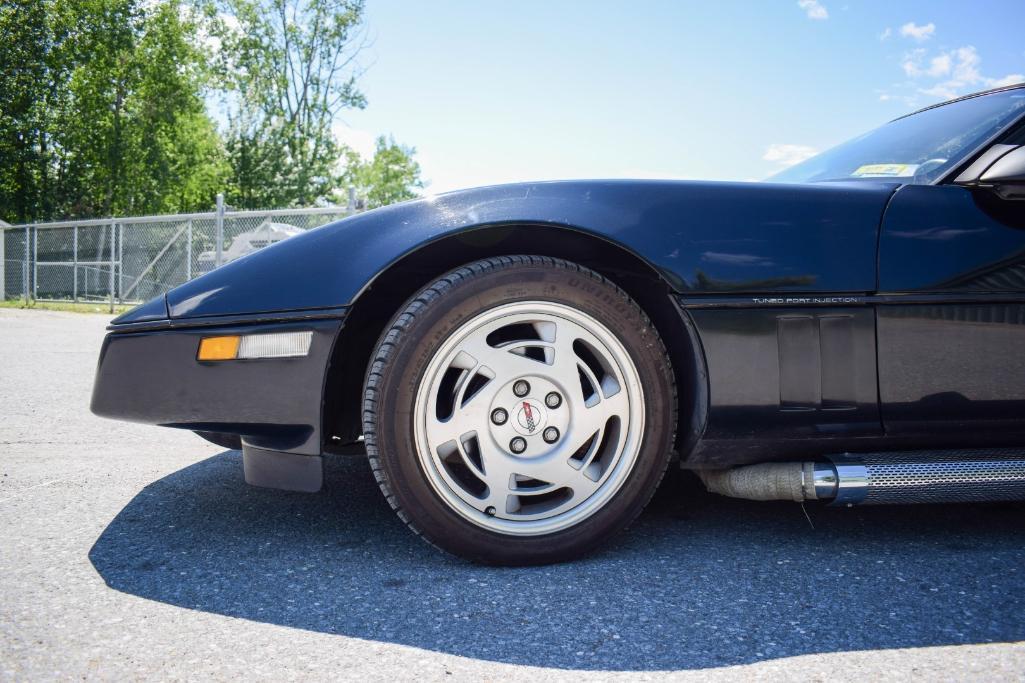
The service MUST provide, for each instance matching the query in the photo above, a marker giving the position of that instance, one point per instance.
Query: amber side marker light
(218, 348)
(253, 346)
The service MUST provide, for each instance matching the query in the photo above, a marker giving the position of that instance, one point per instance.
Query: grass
(80, 307)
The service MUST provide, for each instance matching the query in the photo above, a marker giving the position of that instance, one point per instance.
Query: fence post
(120, 262)
(74, 269)
(35, 264)
(188, 252)
(352, 199)
(112, 255)
(24, 270)
(3, 265)
(219, 236)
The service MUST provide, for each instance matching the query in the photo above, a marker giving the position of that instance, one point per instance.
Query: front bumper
(152, 376)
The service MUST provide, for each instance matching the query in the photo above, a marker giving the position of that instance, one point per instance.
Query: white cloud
(916, 32)
(940, 91)
(1009, 79)
(787, 155)
(952, 72)
(912, 63)
(887, 32)
(965, 74)
(966, 68)
(936, 67)
(813, 9)
(939, 66)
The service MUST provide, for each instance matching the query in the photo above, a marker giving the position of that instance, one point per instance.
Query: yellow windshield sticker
(885, 170)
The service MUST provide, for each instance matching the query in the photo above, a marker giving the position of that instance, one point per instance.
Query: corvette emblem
(528, 417)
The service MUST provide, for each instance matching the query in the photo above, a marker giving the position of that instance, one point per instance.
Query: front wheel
(519, 410)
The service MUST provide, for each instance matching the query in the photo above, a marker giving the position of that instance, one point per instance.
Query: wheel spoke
(565, 370)
(498, 473)
(500, 360)
(463, 422)
(582, 489)
(588, 420)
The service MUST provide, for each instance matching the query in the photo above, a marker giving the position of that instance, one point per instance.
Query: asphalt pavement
(135, 552)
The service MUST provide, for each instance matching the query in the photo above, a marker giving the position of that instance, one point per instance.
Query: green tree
(289, 67)
(179, 160)
(103, 112)
(391, 176)
(138, 134)
(94, 131)
(32, 93)
(103, 107)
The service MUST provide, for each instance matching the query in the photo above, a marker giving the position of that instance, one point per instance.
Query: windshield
(915, 149)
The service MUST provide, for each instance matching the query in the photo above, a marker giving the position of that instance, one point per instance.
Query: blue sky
(492, 92)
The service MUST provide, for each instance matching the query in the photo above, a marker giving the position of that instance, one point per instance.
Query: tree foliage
(104, 107)
(106, 114)
(392, 175)
(289, 68)
(31, 91)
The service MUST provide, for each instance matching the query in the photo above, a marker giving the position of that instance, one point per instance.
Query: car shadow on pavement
(699, 581)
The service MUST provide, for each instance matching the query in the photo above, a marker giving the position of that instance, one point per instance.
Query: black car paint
(767, 237)
(961, 253)
(787, 288)
(153, 377)
(946, 321)
(699, 236)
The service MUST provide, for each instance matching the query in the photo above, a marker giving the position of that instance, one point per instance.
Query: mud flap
(285, 471)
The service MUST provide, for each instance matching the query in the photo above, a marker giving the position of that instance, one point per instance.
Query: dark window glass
(914, 149)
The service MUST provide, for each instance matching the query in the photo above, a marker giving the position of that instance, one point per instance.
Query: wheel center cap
(529, 417)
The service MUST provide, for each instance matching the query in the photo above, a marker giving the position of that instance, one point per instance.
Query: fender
(701, 237)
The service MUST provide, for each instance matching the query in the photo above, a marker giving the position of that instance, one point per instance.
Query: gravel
(138, 552)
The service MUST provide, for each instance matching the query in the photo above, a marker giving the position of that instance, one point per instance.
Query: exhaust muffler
(880, 478)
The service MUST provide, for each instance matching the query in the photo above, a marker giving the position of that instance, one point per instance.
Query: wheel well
(377, 304)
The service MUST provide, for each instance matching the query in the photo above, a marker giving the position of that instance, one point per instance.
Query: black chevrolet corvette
(521, 363)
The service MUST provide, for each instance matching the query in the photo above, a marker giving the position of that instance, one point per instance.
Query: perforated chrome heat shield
(931, 477)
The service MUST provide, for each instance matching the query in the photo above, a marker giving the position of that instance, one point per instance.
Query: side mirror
(1007, 175)
(1001, 168)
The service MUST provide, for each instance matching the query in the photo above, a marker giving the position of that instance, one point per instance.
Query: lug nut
(499, 416)
(553, 400)
(521, 388)
(518, 445)
(550, 435)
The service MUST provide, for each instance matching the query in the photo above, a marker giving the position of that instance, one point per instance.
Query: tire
(444, 405)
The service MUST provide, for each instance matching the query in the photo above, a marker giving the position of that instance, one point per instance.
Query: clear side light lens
(275, 345)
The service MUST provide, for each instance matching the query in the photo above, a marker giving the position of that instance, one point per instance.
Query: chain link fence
(129, 260)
